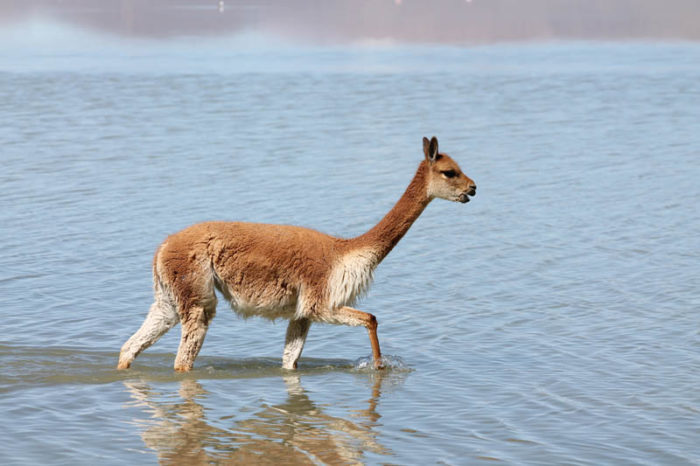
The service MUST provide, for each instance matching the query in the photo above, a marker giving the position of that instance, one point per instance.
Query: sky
(383, 21)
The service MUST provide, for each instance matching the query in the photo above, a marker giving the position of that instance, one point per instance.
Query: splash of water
(390, 362)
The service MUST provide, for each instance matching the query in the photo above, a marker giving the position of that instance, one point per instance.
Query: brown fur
(283, 271)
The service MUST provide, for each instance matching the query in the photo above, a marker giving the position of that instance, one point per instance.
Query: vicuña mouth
(463, 198)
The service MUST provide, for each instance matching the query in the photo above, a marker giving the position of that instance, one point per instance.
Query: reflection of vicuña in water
(297, 431)
(283, 271)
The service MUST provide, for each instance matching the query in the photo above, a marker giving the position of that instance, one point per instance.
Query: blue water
(552, 320)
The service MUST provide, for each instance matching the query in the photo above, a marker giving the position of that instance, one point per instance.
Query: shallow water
(551, 320)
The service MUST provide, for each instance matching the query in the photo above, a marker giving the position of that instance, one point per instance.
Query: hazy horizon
(392, 21)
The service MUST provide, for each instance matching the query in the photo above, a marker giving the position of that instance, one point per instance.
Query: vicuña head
(446, 179)
(283, 271)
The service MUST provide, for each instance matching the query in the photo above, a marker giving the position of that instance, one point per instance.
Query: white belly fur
(270, 310)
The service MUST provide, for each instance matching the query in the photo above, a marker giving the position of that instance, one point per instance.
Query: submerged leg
(349, 316)
(195, 322)
(294, 342)
(161, 318)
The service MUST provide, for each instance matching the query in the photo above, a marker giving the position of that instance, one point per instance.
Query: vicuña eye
(449, 173)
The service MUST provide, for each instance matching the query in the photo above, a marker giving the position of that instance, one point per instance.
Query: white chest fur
(351, 277)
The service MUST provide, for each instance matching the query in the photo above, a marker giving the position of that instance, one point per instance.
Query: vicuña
(283, 271)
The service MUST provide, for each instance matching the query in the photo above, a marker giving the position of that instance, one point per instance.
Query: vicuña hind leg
(161, 318)
(195, 322)
(294, 342)
(349, 316)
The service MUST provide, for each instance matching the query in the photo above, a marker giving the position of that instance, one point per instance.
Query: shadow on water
(296, 431)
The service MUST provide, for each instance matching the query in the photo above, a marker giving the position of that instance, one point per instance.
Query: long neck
(384, 235)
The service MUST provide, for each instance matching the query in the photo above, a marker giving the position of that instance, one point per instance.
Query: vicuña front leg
(294, 342)
(349, 316)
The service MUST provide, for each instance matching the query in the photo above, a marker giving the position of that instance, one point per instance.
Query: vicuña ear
(430, 149)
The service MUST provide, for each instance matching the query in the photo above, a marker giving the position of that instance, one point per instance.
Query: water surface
(551, 320)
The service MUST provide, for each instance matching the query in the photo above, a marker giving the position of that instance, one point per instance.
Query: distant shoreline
(386, 21)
